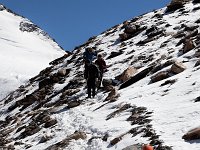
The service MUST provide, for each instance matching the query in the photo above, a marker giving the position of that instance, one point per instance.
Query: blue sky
(73, 22)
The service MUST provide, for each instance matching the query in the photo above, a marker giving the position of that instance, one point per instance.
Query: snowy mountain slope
(22, 44)
(158, 105)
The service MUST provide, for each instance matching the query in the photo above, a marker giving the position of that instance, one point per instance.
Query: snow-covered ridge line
(28, 26)
(22, 44)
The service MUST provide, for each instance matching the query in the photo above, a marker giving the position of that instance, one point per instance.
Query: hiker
(89, 55)
(91, 75)
(100, 62)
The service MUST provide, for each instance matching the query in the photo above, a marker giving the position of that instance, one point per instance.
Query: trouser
(91, 87)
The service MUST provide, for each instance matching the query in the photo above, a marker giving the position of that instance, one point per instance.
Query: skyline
(72, 23)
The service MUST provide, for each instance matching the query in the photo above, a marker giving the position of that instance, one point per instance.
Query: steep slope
(157, 105)
(22, 44)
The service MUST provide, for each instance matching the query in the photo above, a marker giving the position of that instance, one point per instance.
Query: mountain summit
(150, 93)
(25, 49)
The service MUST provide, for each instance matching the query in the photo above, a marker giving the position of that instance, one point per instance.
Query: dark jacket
(91, 72)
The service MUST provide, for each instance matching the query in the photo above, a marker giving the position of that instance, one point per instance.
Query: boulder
(44, 138)
(115, 140)
(74, 103)
(153, 31)
(174, 5)
(193, 134)
(160, 76)
(107, 82)
(159, 67)
(136, 77)
(42, 117)
(62, 72)
(45, 82)
(112, 96)
(130, 29)
(197, 99)
(124, 36)
(178, 67)
(127, 74)
(69, 92)
(188, 45)
(50, 123)
(31, 129)
(105, 137)
(115, 54)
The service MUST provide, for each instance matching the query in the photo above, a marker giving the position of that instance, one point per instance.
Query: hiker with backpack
(100, 62)
(88, 56)
(91, 75)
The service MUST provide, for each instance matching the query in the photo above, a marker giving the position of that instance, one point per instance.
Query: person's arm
(104, 64)
(86, 73)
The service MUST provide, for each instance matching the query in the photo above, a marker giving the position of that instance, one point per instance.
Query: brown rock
(72, 104)
(130, 29)
(178, 67)
(127, 74)
(107, 82)
(193, 134)
(62, 72)
(50, 123)
(69, 92)
(160, 76)
(174, 5)
(113, 95)
(31, 129)
(115, 140)
(124, 36)
(188, 45)
(44, 139)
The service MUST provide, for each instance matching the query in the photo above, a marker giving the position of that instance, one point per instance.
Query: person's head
(99, 56)
(89, 49)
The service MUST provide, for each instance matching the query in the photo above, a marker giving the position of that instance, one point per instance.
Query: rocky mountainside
(150, 92)
(22, 43)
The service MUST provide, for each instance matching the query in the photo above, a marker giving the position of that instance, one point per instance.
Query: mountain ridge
(157, 105)
(22, 44)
